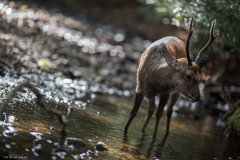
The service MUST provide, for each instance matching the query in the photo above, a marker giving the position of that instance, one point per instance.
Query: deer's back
(168, 45)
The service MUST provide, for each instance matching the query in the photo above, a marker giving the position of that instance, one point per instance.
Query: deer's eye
(188, 76)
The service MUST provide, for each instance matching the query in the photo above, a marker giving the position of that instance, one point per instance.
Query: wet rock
(94, 61)
(8, 146)
(37, 150)
(100, 146)
(129, 84)
(76, 157)
(44, 63)
(83, 155)
(10, 131)
(77, 73)
(39, 141)
(74, 143)
(59, 151)
(220, 123)
(100, 79)
(54, 57)
(38, 135)
(89, 152)
(104, 72)
(11, 119)
(69, 73)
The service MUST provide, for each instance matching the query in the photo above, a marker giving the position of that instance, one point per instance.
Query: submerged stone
(37, 150)
(59, 151)
(89, 152)
(74, 142)
(83, 155)
(76, 157)
(11, 131)
(38, 135)
(100, 146)
(8, 146)
(39, 141)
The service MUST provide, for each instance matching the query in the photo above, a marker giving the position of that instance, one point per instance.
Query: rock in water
(74, 142)
(100, 146)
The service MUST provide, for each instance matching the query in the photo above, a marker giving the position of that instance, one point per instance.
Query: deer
(166, 69)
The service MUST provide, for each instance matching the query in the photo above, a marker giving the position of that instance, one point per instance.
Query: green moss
(234, 120)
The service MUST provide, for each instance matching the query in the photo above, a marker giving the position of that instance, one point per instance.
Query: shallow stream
(102, 119)
(87, 71)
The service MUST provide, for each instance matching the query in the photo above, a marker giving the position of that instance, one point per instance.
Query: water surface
(103, 120)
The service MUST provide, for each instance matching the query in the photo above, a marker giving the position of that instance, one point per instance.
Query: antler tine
(190, 32)
(211, 39)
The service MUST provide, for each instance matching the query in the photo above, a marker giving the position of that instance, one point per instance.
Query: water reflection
(143, 149)
(159, 148)
(107, 127)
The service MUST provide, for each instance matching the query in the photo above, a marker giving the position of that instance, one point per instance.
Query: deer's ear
(172, 62)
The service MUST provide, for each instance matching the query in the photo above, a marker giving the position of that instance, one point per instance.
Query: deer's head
(187, 71)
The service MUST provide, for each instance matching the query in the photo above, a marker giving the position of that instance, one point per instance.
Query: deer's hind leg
(137, 103)
(151, 109)
(163, 101)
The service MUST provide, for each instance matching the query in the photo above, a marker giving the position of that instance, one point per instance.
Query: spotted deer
(166, 69)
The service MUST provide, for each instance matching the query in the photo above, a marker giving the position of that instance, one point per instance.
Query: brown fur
(162, 71)
(155, 76)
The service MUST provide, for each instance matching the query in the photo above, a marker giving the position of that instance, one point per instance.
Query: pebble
(38, 135)
(100, 146)
(10, 131)
(59, 151)
(74, 142)
(37, 150)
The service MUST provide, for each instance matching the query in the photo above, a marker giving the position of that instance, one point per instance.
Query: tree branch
(62, 119)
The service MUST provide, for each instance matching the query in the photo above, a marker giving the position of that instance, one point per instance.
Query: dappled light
(69, 71)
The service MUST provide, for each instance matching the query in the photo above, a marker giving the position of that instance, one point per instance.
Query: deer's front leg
(163, 101)
(173, 99)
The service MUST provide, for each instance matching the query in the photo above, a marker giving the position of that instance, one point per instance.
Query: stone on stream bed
(38, 135)
(72, 143)
(83, 155)
(39, 141)
(10, 131)
(89, 152)
(59, 151)
(37, 150)
(100, 146)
